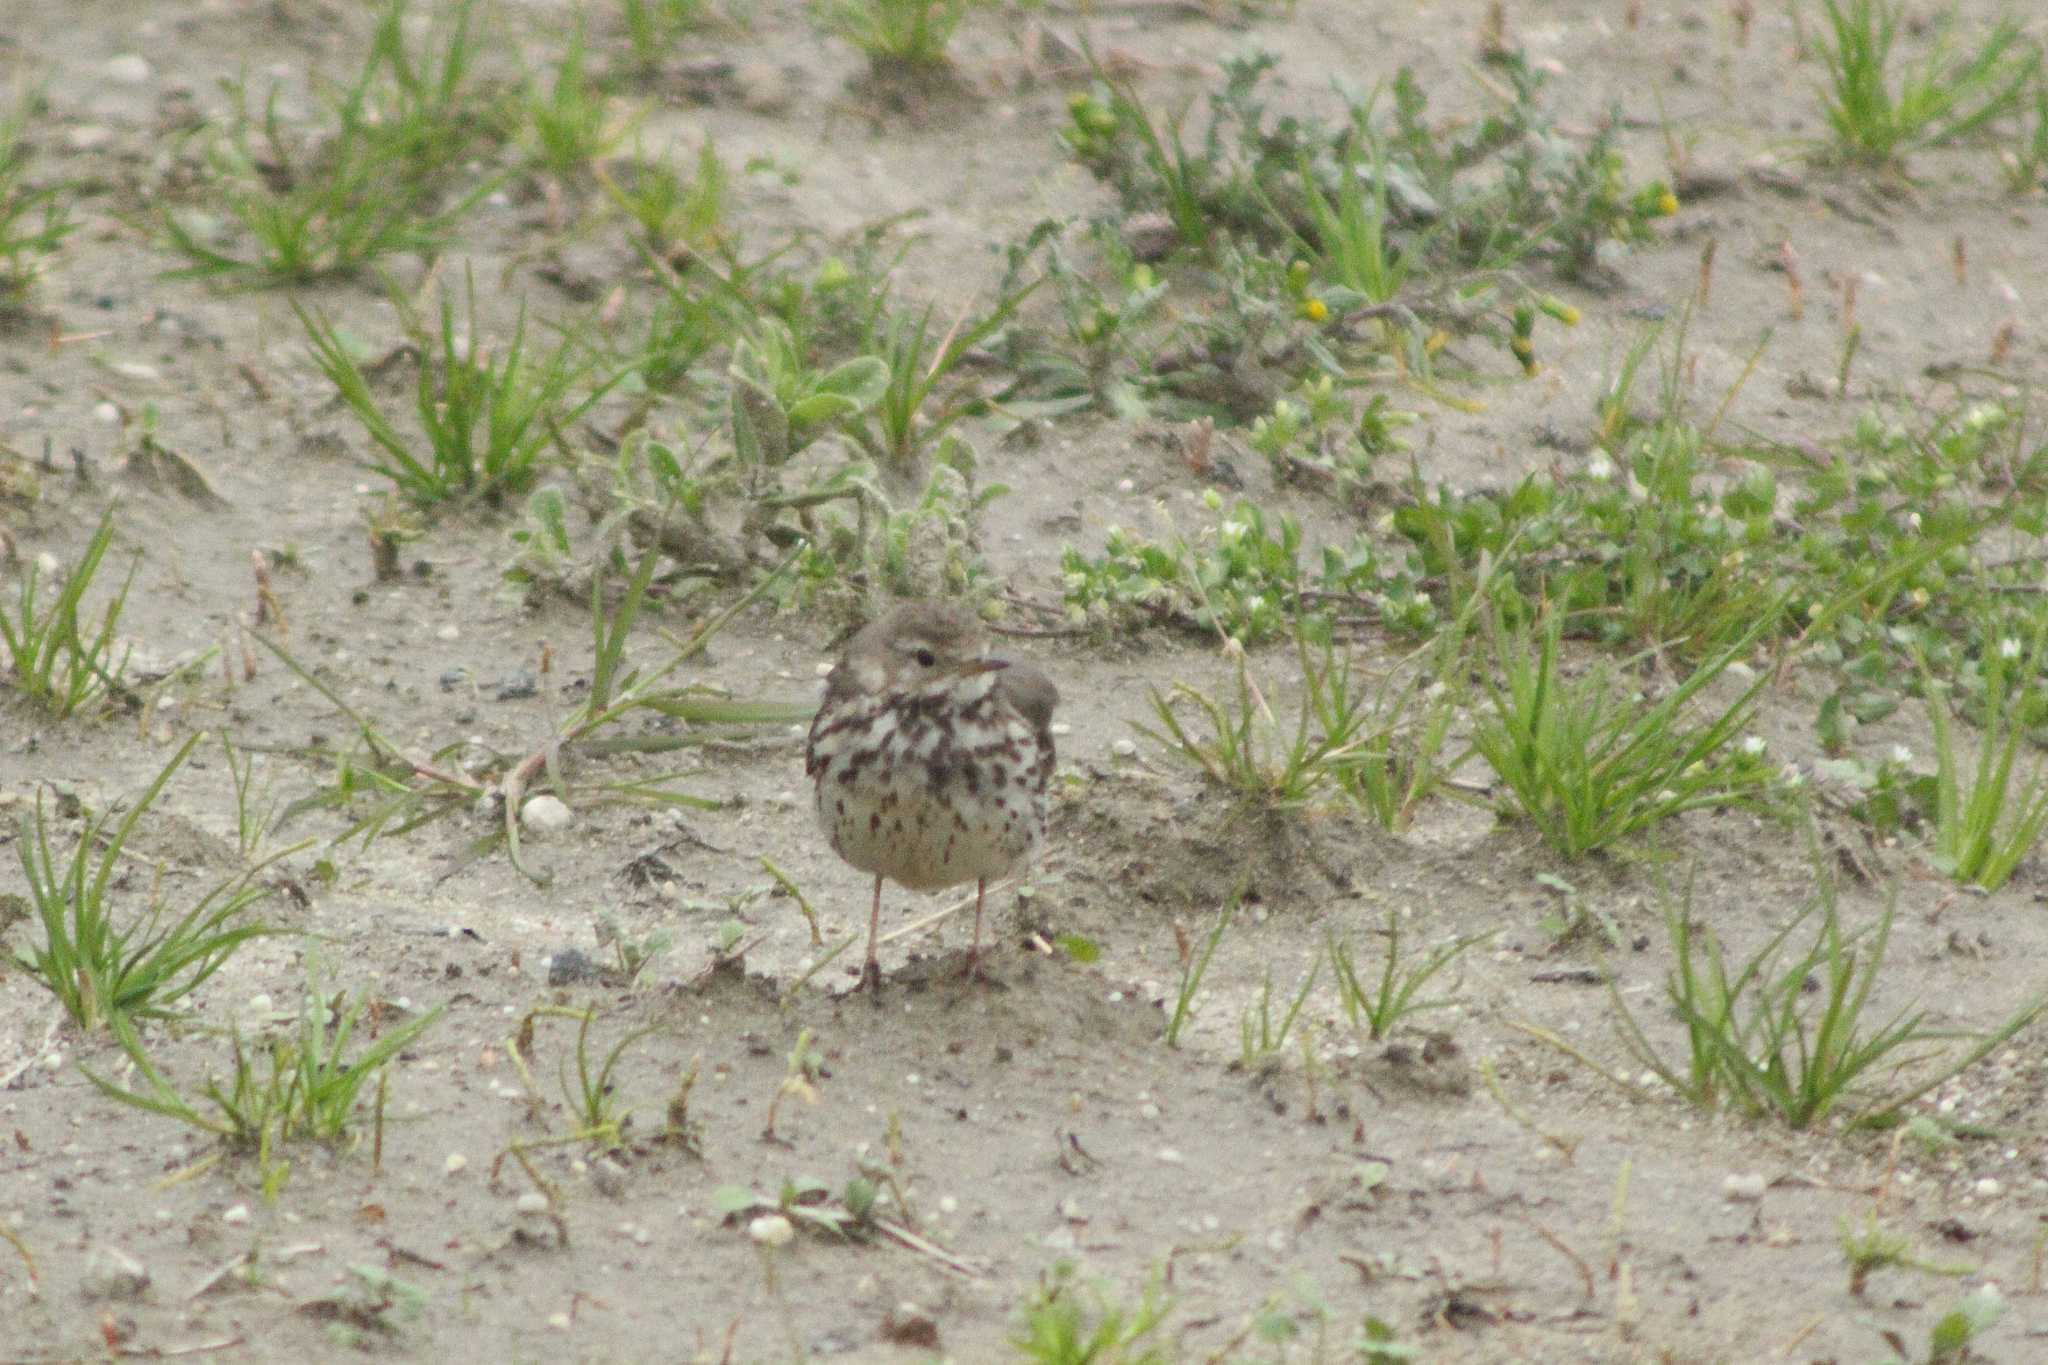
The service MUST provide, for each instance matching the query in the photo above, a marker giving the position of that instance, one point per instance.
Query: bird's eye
(926, 658)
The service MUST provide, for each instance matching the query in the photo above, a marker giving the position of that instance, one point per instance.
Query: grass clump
(486, 416)
(1588, 766)
(1069, 1321)
(374, 184)
(1787, 1033)
(899, 36)
(34, 219)
(107, 970)
(1983, 824)
(55, 656)
(298, 1086)
(1878, 112)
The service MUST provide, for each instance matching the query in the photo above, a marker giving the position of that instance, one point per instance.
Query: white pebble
(533, 1201)
(1989, 1188)
(451, 631)
(127, 69)
(1744, 1189)
(1124, 748)
(1171, 1156)
(106, 414)
(559, 1321)
(455, 1162)
(546, 814)
(236, 1216)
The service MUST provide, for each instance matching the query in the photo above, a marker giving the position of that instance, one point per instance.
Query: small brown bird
(930, 759)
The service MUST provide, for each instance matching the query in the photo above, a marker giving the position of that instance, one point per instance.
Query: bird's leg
(871, 970)
(974, 951)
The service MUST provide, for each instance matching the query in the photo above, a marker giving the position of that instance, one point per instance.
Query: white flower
(1754, 745)
(1232, 530)
(1601, 467)
(1901, 755)
(1912, 521)
(2009, 648)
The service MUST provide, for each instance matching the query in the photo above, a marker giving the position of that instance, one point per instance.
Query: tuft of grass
(1244, 752)
(1069, 1321)
(105, 969)
(1587, 766)
(1380, 1010)
(486, 416)
(55, 657)
(299, 1086)
(1877, 115)
(569, 124)
(1983, 827)
(34, 219)
(334, 203)
(599, 1119)
(898, 36)
(1194, 965)
(911, 422)
(1786, 1034)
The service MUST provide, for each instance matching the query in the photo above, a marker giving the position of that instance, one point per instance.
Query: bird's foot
(870, 980)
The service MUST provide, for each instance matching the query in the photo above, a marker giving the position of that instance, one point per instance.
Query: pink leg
(871, 970)
(974, 951)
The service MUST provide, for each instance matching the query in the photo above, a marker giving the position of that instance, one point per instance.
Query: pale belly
(927, 824)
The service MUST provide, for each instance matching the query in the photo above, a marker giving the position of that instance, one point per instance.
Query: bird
(930, 759)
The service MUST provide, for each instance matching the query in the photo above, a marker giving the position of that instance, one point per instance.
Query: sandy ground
(1483, 1196)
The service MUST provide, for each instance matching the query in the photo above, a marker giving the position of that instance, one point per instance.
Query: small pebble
(451, 631)
(106, 413)
(559, 1321)
(546, 815)
(533, 1201)
(127, 69)
(1746, 1188)
(1124, 748)
(236, 1216)
(1989, 1188)
(455, 1163)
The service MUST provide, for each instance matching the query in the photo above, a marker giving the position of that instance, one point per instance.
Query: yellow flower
(1667, 204)
(1315, 310)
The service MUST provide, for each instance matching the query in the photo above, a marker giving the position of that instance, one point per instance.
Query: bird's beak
(974, 666)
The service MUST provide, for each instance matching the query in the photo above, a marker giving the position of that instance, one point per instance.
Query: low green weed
(599, 1120)
(34, 219)
(910, 423)
(486, 418)
(1786, 1033)
(1069, 1321)
(297, 1086)
(56, 658)
(570, 124)
(1379, 1010)
(105, 968)
(1983, 825)
(1877, 116)
(334, 203)
(1588, 766)
(907, 36)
